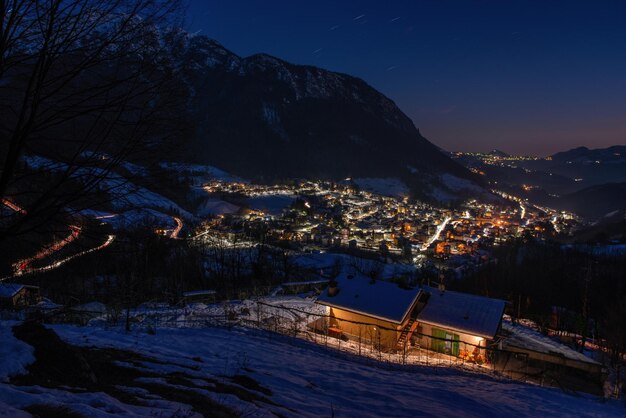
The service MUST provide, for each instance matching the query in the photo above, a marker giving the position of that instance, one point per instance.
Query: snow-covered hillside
(125, 194)
(294, 378)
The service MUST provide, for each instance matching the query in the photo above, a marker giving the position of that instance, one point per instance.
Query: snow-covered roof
(199, 293)
(304, 283)
(380, 299)
(95, 307)
(471, 314)
(8, 290)
(47, 304)
(524, 337)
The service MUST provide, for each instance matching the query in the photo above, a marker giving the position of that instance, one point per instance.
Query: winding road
(438, 232)
(23, 266)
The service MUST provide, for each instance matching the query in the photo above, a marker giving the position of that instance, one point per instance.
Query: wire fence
(420, 349)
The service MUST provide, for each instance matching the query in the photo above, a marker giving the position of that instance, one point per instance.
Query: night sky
(521, 76)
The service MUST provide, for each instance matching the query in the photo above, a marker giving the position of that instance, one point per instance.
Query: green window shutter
(438, 344)
(455, 345)
(446, 339)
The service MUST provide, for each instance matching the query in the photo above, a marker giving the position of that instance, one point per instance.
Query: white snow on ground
(452, 185)
(135, 169)
(96, 404)
(128, 196)
(526, 337)
(137, 217)
(132, 218)
(97, 214)
(456, 184)
(385, 186)
(216, 207)
(15, 355)
(441, 195)
(320, 261)
(38, 162)
(312, 381)
(7, 411)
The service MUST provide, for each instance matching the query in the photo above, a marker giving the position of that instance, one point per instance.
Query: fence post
(464, 355)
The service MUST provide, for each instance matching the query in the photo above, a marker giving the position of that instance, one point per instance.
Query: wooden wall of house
(368, 329)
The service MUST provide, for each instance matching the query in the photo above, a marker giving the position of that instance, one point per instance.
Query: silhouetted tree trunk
(84, 83)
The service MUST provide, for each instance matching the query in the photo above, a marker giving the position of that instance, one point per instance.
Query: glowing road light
(179, 226)
(113, 215)
(22, 265)
(57, 264)
(13, 206)
(435, 237)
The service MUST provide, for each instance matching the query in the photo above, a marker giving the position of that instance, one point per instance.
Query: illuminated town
(324, 216)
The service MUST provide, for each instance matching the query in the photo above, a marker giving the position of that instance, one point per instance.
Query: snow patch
(457, 184)
(311, 381)
(217, 207)
(125, 194)
(15, 355)
(389, 186)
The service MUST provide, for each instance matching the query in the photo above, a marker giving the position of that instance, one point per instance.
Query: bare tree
(86, 84)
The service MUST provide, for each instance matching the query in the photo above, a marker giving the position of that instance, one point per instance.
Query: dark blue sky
(521, 76)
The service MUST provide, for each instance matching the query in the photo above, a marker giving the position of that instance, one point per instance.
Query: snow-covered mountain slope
(298, 378)
(124, 194)
(384, 186)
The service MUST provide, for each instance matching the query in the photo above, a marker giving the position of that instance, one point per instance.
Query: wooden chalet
(393, 318)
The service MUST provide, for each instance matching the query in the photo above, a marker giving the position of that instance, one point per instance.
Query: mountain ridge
(263, 118)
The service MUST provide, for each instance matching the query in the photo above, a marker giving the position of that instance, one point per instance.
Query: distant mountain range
(584, 155)
(606, 200)
(589, 182)
(265, 119)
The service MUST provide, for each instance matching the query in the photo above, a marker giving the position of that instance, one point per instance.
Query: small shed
(547, 357)
(199, 296)
(15, 296)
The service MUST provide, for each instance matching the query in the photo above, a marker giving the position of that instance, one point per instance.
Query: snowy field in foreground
(306, 380)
